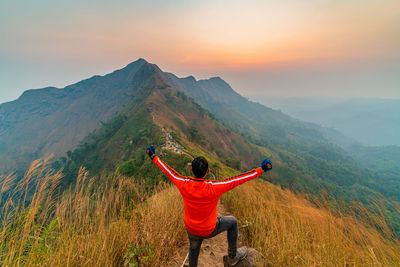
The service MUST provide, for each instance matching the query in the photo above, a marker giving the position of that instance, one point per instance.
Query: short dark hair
(199, 167)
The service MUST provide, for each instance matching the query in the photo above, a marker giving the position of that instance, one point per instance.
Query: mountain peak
(140, 65)
(35, 94)
(216, 78)
(191, 77)
(139, 60)
(219, 80)
(134, 64)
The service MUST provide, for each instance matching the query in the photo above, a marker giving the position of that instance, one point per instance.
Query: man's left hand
(266, 165)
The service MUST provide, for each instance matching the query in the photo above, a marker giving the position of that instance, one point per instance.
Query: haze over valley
(370, 121)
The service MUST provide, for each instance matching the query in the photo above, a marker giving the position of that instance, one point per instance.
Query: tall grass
(99, 222)
(289, 230)
(114, 221)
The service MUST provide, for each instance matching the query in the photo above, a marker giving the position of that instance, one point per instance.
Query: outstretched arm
(228, 184)
(173, 175)
(224, 186)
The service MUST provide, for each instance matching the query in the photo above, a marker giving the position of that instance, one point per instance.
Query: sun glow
(198, 36)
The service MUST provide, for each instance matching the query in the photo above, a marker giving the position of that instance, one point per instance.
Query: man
(200, 198)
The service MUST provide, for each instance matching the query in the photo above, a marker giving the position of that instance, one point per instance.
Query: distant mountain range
(372, 122)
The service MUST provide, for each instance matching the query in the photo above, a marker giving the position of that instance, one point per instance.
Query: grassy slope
(290, 231)
(180, 114)
(110, 221)
(122, 141)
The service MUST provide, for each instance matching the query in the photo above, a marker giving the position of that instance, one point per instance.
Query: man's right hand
(151, 151)
(266, 165)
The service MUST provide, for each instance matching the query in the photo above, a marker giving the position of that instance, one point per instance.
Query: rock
(251, 260)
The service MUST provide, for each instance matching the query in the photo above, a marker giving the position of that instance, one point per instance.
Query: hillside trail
(212, 250)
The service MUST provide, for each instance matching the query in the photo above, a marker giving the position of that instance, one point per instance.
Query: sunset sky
(331, 48)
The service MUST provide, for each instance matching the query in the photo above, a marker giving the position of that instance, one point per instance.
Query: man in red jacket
(200, 198)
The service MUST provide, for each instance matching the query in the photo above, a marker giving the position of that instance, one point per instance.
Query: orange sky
(68, 40)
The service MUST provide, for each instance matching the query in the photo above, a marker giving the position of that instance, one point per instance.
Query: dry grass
(99, 222)
(290, 231)
(113, 222)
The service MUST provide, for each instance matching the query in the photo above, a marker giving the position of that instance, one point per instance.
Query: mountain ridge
(40, 108)
(312, 160)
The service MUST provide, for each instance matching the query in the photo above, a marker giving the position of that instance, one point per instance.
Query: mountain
(105, 123)
(53, 120)
(159, 107)
(306, 158)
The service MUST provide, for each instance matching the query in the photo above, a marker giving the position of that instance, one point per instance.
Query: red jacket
(200, 196)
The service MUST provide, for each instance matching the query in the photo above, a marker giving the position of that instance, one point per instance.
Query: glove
(266, 165)
(151, 152)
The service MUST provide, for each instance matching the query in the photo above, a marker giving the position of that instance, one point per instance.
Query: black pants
(224, 223)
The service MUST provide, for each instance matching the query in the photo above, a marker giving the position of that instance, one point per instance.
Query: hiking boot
(240, 254)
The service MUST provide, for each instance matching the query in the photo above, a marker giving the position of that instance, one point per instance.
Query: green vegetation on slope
(306, 160)
(121, 143)
(384, 164)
